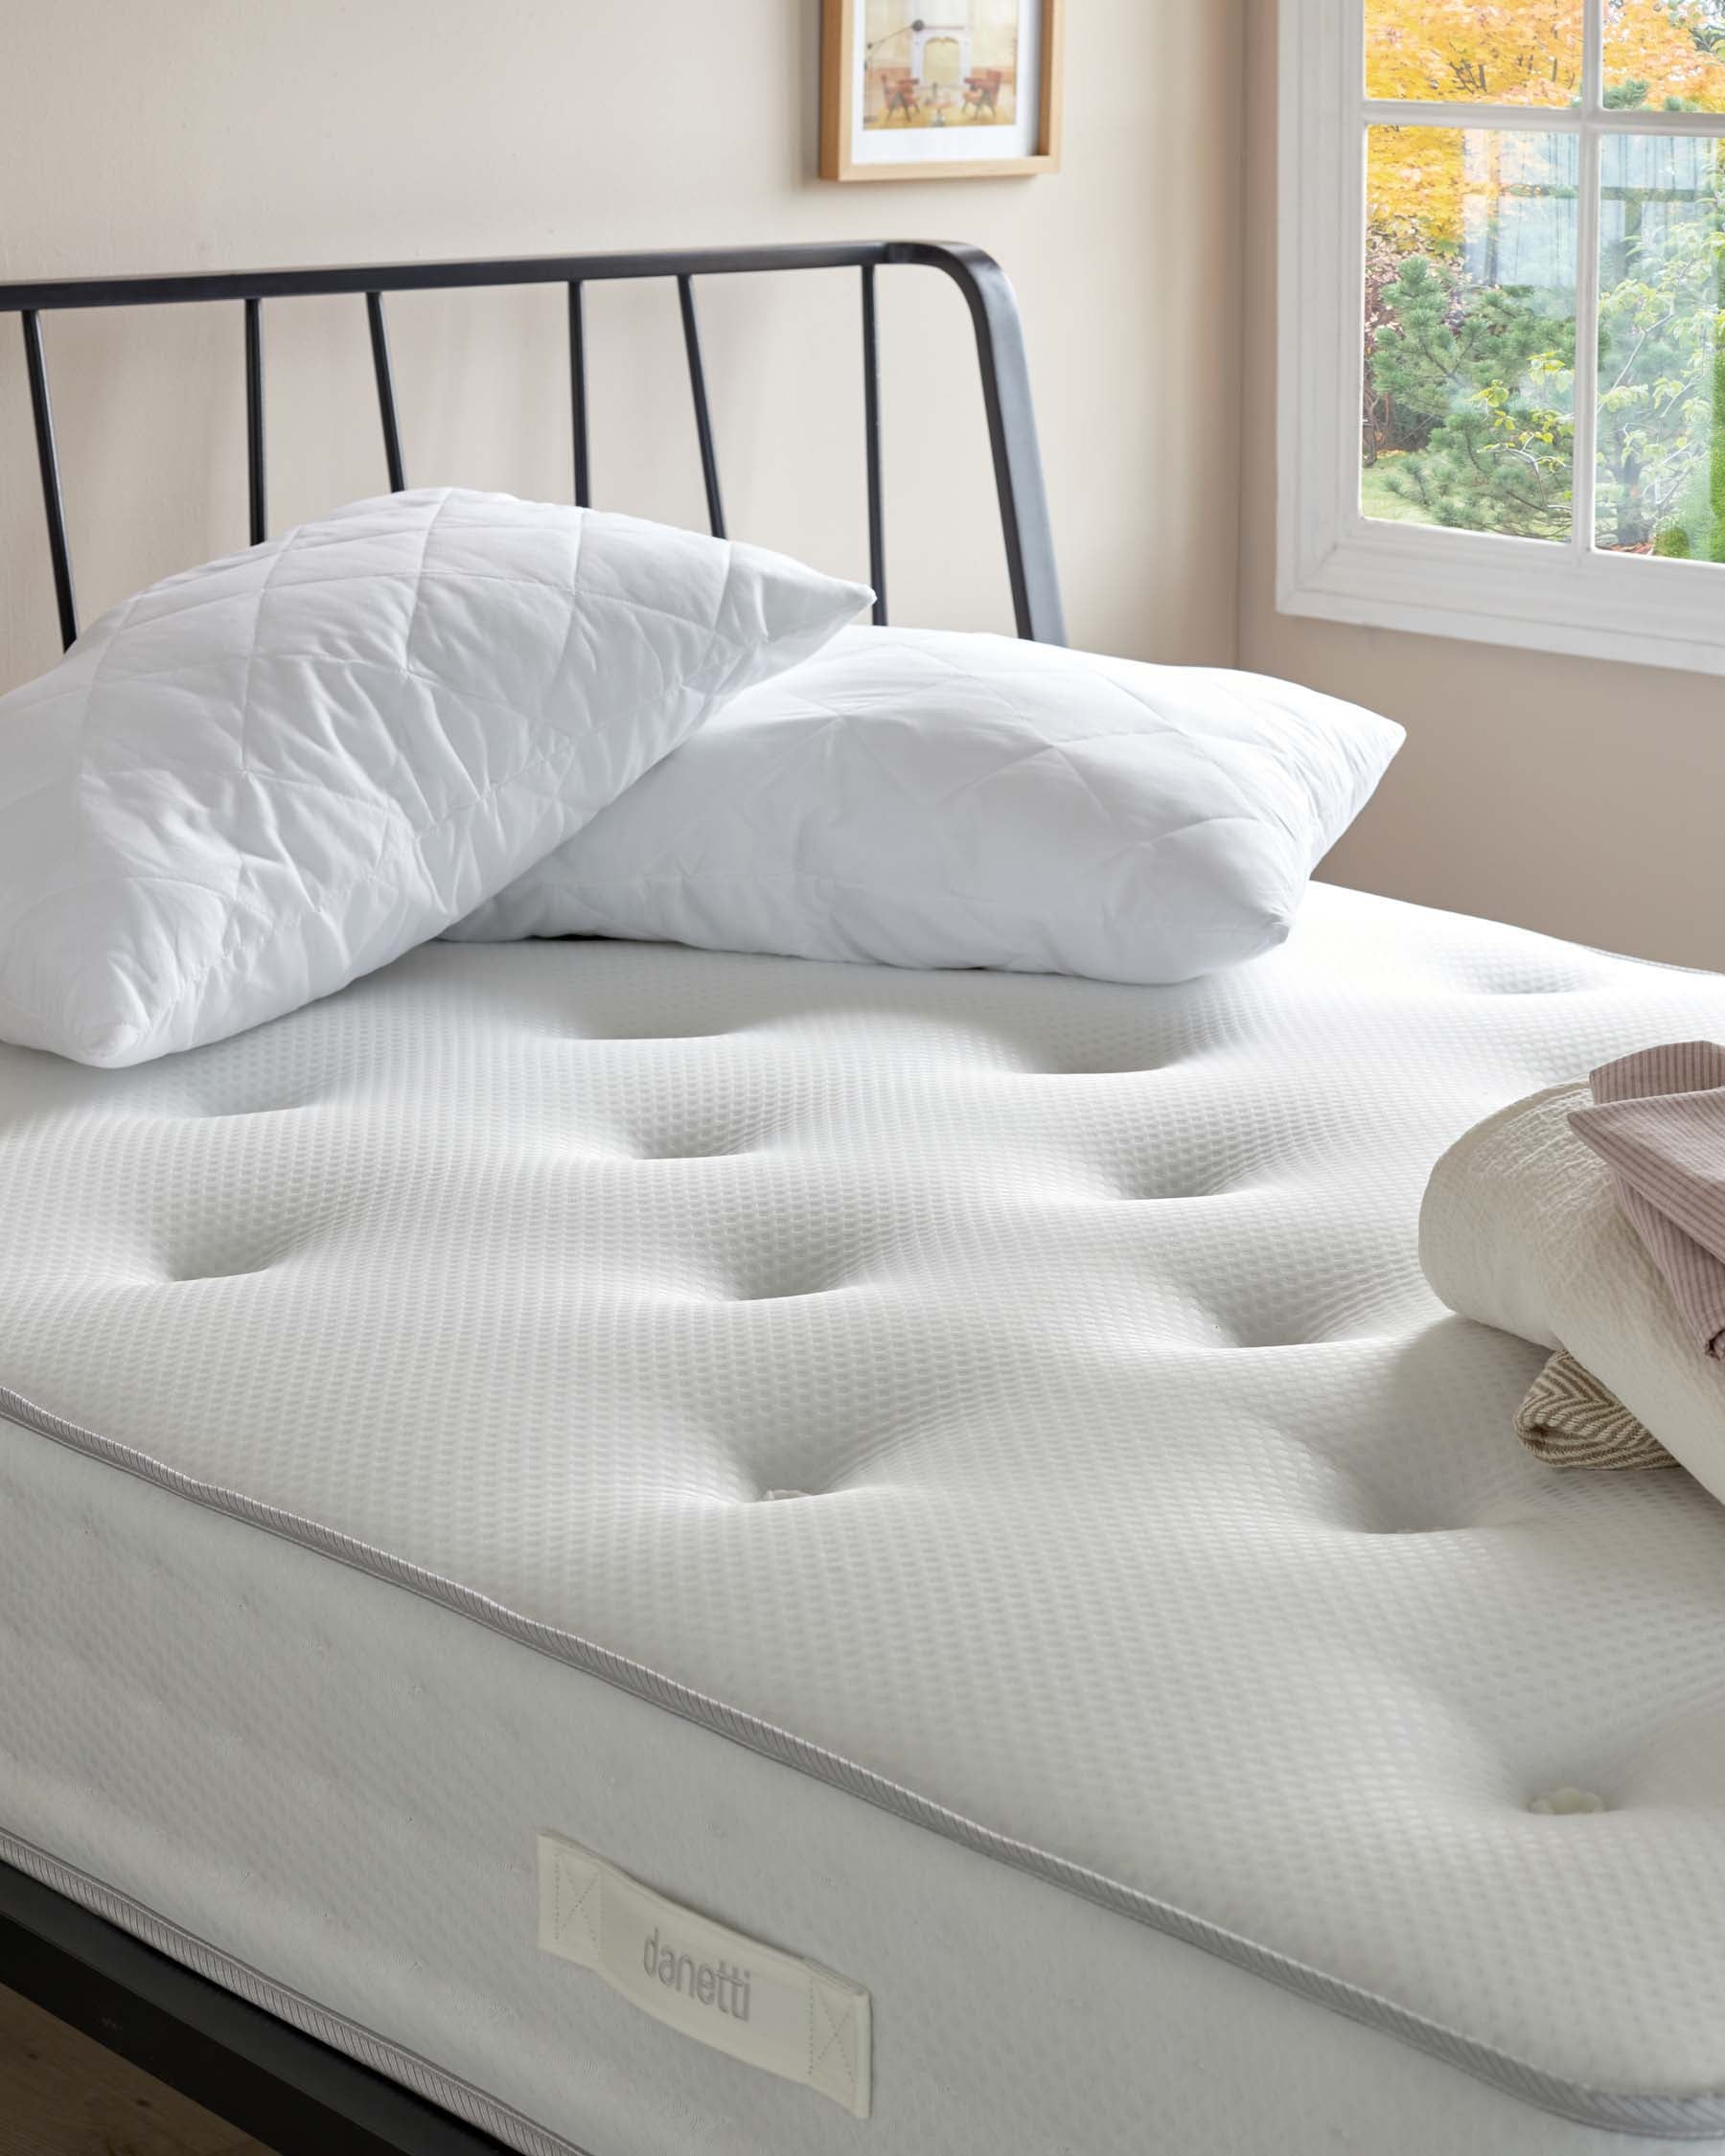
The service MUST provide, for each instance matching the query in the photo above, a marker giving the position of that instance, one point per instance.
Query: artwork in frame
(970, 90)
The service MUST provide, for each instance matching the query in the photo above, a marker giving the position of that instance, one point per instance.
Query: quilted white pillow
(925, 798)
(258, 780)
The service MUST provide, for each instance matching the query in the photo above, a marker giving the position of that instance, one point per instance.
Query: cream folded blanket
(1521, 1229)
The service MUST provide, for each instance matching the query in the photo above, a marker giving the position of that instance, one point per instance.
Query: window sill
(1517, 593)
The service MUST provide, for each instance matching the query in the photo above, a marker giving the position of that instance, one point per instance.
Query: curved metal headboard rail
(994, 315)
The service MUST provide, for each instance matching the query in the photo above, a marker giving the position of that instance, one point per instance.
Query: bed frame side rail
(295, 2092)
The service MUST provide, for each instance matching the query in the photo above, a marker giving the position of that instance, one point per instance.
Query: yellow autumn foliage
(1496, 51)
(1511, 53)
(1669, 46)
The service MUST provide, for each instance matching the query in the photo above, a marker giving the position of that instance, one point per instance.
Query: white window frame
(1334, 562)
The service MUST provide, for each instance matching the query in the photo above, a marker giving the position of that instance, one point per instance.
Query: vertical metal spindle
(871, 437)
(256, 486)
(386, 403)
(703, 418)
(578, 407)
(43, 412)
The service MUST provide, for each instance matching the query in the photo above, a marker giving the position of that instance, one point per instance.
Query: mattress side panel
(337, 1784)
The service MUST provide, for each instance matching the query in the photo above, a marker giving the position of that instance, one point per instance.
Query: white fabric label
(768, 2008)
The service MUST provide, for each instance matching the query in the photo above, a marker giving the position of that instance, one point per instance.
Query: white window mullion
(1587, 280)
(1538, 119)
(1528, 119)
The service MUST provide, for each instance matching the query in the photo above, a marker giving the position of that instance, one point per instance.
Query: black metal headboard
(994, 315)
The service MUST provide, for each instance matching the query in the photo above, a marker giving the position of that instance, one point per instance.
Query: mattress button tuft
(1562, 1803)
(778, 1497)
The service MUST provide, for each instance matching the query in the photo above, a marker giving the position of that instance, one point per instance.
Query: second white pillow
(928, 798)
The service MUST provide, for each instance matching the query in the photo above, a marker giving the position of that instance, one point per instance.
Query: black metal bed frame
(300, 2096)
(994, 313)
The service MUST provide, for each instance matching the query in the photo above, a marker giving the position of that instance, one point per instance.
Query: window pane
(1482, 52)
(1666, 54)
(1470, 329)
(1661, 482)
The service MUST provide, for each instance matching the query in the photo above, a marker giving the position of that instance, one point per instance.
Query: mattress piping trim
(433, 2083)
(1698, 2117)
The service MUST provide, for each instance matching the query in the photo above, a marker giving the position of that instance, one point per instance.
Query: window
(1502, 321)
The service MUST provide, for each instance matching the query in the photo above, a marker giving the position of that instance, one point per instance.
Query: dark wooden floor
(62, 2094)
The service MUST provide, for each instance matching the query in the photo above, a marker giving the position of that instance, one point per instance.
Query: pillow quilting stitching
(923, 805)
(592, 598)
(671, 839)
(292, 914)
(1095, 863)
(898, 889)
(419, 583)
(1199, 747)
(569, 590)
(1014, 823)
(245, 897)
(719, 636)
(332, 895)
(252, 909)
(1141, 704)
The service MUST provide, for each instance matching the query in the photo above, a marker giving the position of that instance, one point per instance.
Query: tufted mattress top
(1014, 1401)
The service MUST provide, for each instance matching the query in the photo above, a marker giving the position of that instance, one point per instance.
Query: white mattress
(1144, 1701)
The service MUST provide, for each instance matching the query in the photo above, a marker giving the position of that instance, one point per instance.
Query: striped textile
(1658, 1122)
(1570, 1420)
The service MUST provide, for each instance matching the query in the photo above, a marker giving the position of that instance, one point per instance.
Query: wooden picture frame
(907, 117)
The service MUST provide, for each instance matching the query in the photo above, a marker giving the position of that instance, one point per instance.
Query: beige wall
(1571, 794)
(1576, 796)
(166, 134)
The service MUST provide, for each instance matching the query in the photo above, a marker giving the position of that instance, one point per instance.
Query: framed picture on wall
(969, 90)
